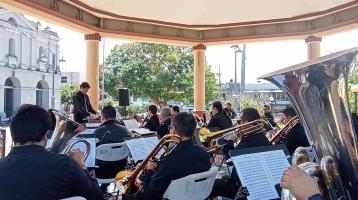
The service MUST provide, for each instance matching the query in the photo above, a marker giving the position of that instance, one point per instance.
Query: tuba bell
(318, 91)
(65, 136)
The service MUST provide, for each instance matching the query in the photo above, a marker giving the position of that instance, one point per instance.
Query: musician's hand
(77, 155)
(79, 129)
(152, 165)
(138, 183)
(93, 116)
(301, 185)
(233, 137)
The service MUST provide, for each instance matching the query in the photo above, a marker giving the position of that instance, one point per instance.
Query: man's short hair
(176, 108)
(289, 112)
(250, 114)
(267, 106)
(165, 112)
(53, 118)
(228, 104)
(185, 124)
(218, 105)
(109, 112)
(29, 124)
(85, 85)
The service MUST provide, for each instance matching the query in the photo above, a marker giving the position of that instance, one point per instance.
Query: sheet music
(141, 147)
(93, 125)
(91, 159)
(142, 131)
(260, 172)
(131, 124)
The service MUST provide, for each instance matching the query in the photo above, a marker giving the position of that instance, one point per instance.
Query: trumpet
(210, 139)
(277, 137)
(125, 180)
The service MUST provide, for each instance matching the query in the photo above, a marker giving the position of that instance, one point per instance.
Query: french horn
(318, 91)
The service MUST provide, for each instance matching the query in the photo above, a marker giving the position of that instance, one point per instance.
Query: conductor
(82, 108)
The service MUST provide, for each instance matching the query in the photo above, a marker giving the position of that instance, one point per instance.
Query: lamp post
(54, 69)
(236, 51)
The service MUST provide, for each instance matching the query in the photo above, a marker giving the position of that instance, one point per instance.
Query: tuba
(64, 137)
(210, 139)
(318, 91)
(279, 136)
(126, 180)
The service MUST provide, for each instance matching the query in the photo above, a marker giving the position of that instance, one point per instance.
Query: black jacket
(184, 160)
(270, 118)
(296, 138)
(153, 123)
(256, 140)
(220, 121)
(31, 172)
(109, 132)
(81, 107)
(164, 128)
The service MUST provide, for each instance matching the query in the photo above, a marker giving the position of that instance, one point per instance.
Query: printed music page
(260, 172)
(91, 159)
(131, 124)
(141, 147)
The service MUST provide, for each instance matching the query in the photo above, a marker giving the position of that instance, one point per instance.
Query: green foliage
(106, 102)
(155, 71)
(132, 109)
(247, 103)
(68, 91)
(352, 80)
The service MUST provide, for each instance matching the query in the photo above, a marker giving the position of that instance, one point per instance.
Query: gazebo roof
(194, 22)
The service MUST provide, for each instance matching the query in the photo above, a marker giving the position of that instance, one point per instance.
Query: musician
(269, 116)
(152, 122)
(175, 110)
(229, 187)
(229, 109)
(219, 119)
(29, 171)
(184, 160)
(301, 185)
(109, 132)
(296, 137)
(165, 121)
(82, 106)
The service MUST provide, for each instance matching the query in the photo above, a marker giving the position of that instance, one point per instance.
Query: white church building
(29, 63)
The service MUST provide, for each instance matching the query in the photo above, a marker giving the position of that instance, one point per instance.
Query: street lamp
(54, 69)
(236, 51)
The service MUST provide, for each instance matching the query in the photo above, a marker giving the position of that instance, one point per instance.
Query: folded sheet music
(260, 172)
(142, 131)
(131, 123)
(141, 147)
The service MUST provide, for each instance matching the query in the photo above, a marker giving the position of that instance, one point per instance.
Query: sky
(261, 58)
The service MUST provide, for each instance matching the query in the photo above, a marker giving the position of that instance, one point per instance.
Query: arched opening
(12, 95)
(12, 47)
(42, 94)
(12, 21)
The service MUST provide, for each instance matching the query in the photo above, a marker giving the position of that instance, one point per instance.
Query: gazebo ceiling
(192, 22)
(201, 13)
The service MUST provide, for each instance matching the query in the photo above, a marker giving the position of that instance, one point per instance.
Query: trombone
(210, 139)
(277, 137)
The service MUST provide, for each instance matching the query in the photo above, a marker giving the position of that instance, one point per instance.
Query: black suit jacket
(184, 160)
(164, 128)
(296, 138)
(220, 121)
(109, 132)
(81, 107)
(256, 140)
(153, 123)
(31, 172)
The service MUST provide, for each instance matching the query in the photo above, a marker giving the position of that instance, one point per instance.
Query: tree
(67, 92)
(155, 71)
(352, 80)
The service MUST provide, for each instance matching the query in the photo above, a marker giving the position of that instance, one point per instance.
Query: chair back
(112, 152)
(193, 187)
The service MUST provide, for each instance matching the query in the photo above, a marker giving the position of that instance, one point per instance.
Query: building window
(12, 21)
(42, 55)
(63, 79)
(12, 47)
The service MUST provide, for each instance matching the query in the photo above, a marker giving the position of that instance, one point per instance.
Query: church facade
(29, 64)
